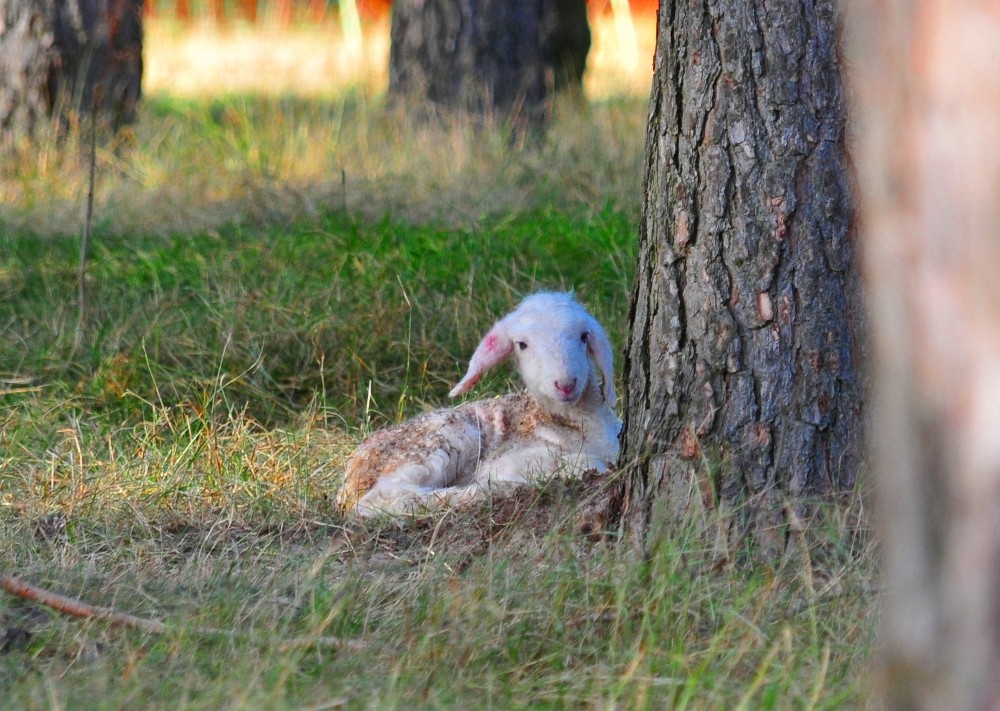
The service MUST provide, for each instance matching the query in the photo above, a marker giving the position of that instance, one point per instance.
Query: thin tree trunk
(928, 92)
(743, 389)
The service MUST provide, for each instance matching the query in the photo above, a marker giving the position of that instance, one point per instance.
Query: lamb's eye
(521, 345)
(584, 336)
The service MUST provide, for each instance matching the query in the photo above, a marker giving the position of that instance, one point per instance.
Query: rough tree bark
(489, 57)
(59, 57)
(928, 90)
(742, 383)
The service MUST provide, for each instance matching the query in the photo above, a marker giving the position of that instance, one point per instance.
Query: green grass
(248, 321)
(338, 311)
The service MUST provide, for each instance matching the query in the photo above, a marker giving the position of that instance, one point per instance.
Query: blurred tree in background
(927, 78)
(60, 58)
(494, 58)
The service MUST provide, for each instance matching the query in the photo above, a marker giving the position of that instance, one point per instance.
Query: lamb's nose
(566, 388)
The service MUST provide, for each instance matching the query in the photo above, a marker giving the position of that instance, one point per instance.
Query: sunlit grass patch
(179, 463)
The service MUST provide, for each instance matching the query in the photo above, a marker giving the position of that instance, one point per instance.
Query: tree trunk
(59, 57)
(928, 88)
(100, 49)
(493, 57)
(743, 389)
(27, 56)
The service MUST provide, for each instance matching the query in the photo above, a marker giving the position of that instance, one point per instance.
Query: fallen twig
(77, 608)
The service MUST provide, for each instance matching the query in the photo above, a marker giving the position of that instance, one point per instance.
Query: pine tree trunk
(492, 57)
(928, 88)
(65, 57)
(743, 389)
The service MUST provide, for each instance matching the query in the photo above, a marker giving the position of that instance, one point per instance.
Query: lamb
(564, 424)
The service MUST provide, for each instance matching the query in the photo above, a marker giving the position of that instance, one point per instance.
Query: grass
(492, 610)
(249, 320)
(265, 321)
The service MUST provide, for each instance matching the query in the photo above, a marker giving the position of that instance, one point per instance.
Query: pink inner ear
(493, 349)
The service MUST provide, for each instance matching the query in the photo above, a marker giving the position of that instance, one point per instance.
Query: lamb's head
(552, 339)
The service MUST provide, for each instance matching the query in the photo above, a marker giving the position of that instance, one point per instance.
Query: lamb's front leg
(519, 463)
(505, 469)
(398, 470)
(534, 462)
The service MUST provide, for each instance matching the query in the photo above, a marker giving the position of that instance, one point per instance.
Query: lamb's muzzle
(563, 425)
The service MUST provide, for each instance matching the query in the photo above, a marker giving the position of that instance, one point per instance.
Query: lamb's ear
(495, 347)
(600, 350)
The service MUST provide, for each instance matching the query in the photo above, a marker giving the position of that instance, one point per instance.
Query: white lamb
(564, 424)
